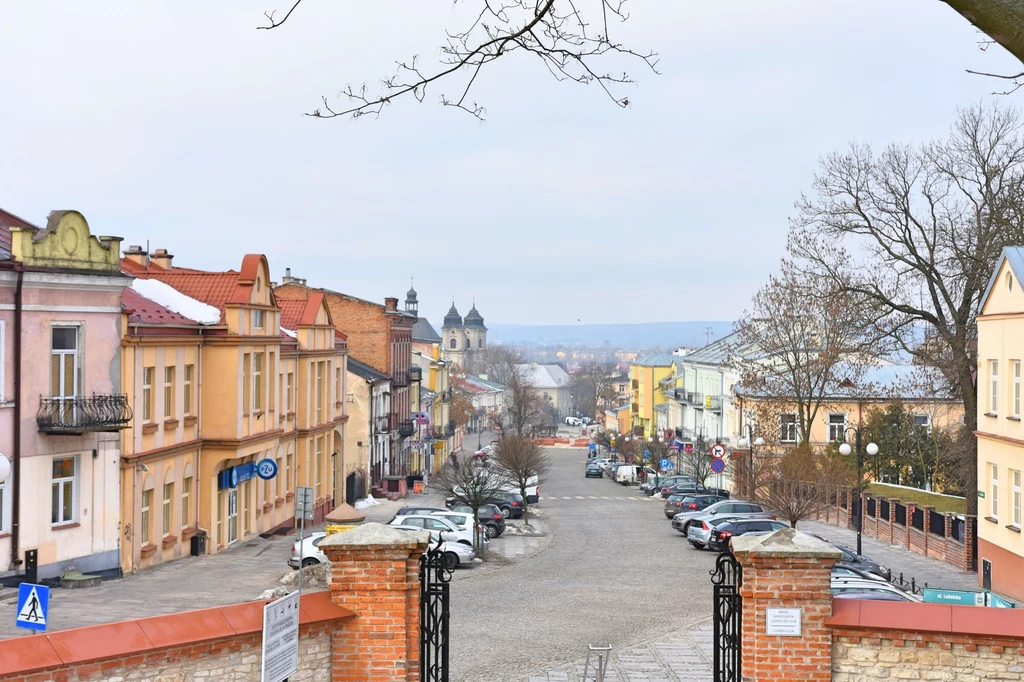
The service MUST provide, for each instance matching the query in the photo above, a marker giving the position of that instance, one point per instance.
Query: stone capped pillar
(375, 574)
(786, 584)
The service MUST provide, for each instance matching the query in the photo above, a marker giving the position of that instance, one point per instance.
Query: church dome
(474, 318)
(453, 319)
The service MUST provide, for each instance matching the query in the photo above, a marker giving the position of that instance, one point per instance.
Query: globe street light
(845, 450)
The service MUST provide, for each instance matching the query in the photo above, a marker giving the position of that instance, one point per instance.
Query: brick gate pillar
(375, 573)
(786, 598)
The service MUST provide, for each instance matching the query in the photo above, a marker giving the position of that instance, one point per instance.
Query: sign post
(33, 605)
(280, 638)
(303, 512)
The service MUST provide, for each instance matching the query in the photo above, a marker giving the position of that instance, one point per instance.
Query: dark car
(510, 504)
(489, 516)
(686, 503)
(693, 489)
(594, 471)
(723, 533)
(655, 486)
(858, 561)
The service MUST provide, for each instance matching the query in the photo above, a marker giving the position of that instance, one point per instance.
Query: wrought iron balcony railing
(449, 430)
(400, 379)
(406, 428)
(83, 414)
(416, 374)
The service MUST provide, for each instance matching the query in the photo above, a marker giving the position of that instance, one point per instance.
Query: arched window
(468, 346)
(453, 344)
(479, 343)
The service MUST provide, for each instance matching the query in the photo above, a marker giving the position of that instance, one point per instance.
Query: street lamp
(750, 442)
(872, 449)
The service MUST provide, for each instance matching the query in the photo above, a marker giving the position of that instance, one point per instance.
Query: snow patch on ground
(175, 301)
(367, 503)
(523, 531)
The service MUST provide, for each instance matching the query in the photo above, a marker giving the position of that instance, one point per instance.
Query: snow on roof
(543, 376)
(175, 301)
(289, 332)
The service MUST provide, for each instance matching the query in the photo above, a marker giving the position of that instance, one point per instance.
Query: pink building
(60, 406)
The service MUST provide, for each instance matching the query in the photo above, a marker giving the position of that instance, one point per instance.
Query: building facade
(645, 376)
(61, 405)
(552, 385)
(464, 340)
(368, 436)
(1000, 434)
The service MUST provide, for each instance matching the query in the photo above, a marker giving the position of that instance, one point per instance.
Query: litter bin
(199, 543)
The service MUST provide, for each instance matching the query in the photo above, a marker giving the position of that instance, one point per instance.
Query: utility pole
(708, 333)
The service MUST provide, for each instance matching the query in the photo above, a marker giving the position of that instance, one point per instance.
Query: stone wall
(925, 656)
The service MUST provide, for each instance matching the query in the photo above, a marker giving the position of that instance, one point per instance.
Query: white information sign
(281, 638)
(782, 622)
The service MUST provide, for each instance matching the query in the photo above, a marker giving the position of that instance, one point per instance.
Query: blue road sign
(998, 602)
(592, 446)
(266, 469)
(718, 465)
(647, 454)
(33, 604)
(665, 463)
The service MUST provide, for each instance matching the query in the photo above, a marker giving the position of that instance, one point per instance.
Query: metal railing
(82, 414)
(406, 428)
(400, 379)
(449, 429)
(416, 374)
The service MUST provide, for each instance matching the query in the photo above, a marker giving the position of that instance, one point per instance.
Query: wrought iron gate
(727, 579)
(435, 574)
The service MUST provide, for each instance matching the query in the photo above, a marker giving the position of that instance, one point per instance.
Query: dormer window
(257, 318)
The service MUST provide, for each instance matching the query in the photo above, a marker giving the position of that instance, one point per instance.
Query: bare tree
(471, 483)
(499, 362)
(571, 40)
(913, 235)
(594, 386)
(797, 486)
(697, 462)
(522, 403)
(807, 335)
(525, 462)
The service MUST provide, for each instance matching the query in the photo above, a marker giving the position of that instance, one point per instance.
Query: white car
(448, 530)
(574, 421)
(311, 554)
(455, 553)
(852, 588)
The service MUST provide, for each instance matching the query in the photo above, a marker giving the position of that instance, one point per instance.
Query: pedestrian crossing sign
(33, 604)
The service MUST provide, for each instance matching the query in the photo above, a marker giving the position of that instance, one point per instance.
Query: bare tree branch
(270, 17)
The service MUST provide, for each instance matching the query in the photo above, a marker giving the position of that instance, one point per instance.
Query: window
(1016, 389)
(319, 392)
(836, 427)
(168, 392)
(147, 503)
(189, 369)
(479, 343)
(317, 456)
(337, 384)
(3, 336)
(168, 495)
(787, 428)
(994, 501)
(257, 381)
(923, 422)
(246, 383)
(62, 508)
(1015, 477)
(289, 390)
(993, 406)
(186, 500)
(63, 362)
(257, 319)
(246, 497)
(452, 344)
(220, 513)
(288, 473)
(3, 500)
(147, 393)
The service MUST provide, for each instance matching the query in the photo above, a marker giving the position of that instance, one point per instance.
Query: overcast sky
(179, 123)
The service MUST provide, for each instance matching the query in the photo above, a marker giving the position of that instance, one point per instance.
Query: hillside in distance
(667, 335)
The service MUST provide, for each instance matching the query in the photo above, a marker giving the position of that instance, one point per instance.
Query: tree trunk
(1001, 20)
(526, 506)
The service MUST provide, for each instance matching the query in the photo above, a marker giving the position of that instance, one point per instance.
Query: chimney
(288, 279)
(137, 255)
(162, 258)
(391, 303)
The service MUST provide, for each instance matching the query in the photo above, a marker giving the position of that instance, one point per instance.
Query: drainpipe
(16, 454)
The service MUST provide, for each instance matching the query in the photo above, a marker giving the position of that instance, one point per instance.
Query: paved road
(613, 571)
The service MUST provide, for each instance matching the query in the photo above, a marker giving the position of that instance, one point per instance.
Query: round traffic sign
(718, 465)
(718, 451)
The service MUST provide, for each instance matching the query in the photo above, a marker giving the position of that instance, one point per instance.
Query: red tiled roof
(7, 221)
(213, 288)
(296, 312)
(144, 311)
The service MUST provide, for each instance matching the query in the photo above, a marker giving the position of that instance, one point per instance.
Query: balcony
(416, 374)
(400, 379)
(698, 399)
(406, 428)
(385, 423)
(449, 430)
(636, 384)
(70, 416)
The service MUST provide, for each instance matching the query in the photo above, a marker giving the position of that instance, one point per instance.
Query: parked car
(311, 554)
(489, 515)
(599, 461)
(730, 508)
(455, 553)
(510, 504)
(849, 571)
(448, 530)
(574, 421)
(722, 535)
(859, 561)
(628, 474)
(594, 471)
(661, 482)
(683, 503)
(699, 531)
(413, 509)
(842, 586)
(686, 488)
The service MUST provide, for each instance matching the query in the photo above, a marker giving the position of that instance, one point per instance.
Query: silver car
(699, 531)
(735, 508)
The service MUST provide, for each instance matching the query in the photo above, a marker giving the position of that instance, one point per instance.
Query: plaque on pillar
(783, 622)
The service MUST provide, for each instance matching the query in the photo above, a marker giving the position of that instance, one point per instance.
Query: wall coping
(783, 544)
(945, 618)
(376, 535)
(146, 635)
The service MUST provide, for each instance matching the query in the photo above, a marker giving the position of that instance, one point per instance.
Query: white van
(627, 474)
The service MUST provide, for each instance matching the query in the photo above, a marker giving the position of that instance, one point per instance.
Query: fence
(943, 536)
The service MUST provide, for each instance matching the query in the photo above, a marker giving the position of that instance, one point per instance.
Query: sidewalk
(684, 656)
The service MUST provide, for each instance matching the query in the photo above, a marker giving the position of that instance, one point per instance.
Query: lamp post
(750, 442)
(872, 449)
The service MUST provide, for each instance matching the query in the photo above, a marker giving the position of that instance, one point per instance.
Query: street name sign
(962, 597)
(783, 622)
(280, 638)
(33, 605)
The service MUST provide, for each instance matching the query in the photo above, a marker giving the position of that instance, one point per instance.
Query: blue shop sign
(230, 478)
(266, 469)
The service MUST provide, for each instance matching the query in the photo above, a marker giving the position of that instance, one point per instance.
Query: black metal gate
(727, 579)
(435, 574)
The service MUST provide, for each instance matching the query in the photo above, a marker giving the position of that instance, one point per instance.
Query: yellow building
(1000, 434)
(645, 377)
(221, 377)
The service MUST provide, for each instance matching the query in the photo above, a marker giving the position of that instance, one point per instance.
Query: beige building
(1000, 434)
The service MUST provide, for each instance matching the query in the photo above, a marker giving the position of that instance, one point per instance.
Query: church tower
(412, 306)
(454, 335)
(475, 330)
